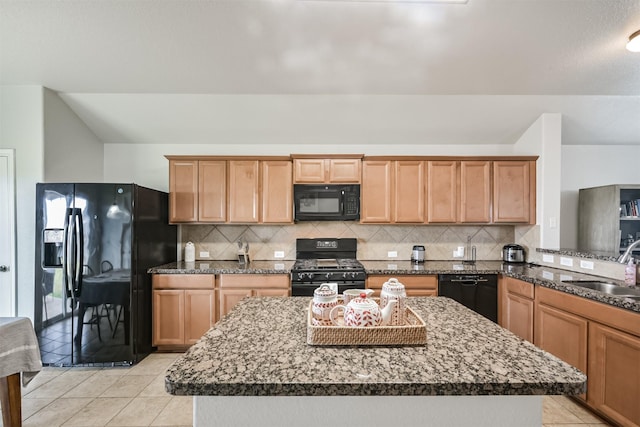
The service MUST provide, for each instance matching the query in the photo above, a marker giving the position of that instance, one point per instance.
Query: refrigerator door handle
(66, 259)
(79, 236)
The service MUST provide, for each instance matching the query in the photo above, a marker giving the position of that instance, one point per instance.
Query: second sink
(605, 287)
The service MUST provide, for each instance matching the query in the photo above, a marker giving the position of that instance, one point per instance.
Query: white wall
(544, 139)
(72, 152)
(585, 166)
(21, 128)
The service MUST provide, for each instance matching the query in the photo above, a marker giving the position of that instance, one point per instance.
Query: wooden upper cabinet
(344, 170)
(243, 190)
(375, 191)
(309, 171)
(442, 191)
(409, 191)
(183, 191)
(475, 191)
(514, 191)
(325, 171)
(212, 191)
(277, 192)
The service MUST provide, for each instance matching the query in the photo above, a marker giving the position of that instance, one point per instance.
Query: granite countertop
(223, 267)
(259, 349)
(538, 275)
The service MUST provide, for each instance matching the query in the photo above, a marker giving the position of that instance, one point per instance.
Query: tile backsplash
(374, 241)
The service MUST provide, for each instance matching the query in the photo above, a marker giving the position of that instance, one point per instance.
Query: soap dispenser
(630, 273)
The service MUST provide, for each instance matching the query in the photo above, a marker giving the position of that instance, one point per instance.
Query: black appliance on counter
(326, 261)
(333, 202)
(94, 244)
(479, 292)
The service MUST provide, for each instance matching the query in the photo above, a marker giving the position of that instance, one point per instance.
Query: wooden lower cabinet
(601, 340)
(184, 308)
(516, 307)
(564, 335)
(415, 285)
(614, 374)
(234, 287)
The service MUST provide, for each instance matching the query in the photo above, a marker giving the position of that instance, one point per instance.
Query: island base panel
(311, 411)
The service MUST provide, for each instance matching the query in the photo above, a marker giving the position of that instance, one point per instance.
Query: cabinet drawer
(183, 281)
(254, 281)
(409, 282)
(518, 287)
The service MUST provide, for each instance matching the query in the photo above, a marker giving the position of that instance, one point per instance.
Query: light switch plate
(278, 254)
(392, 254)
(586, 264)
(204, 254)
(566, 261)
(547, 258)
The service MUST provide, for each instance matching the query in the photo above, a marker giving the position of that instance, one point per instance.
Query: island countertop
(259, 349)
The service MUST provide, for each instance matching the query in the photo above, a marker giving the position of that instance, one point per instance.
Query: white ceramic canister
(324, 299)
(189, 252)
(394, 290)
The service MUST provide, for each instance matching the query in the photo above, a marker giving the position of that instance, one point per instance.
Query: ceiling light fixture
(634, 42)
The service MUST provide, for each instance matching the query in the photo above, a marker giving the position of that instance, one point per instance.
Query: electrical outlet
(204, 254)
(566, 261)
(586, 264)
(392, 254)
(278, 254)
(547, 258)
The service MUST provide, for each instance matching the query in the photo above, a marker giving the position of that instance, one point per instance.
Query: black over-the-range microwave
(329, 202)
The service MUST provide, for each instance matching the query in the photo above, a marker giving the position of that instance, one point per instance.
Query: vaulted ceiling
(120, 64)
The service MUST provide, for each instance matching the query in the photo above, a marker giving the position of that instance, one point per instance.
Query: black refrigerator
(94, 244)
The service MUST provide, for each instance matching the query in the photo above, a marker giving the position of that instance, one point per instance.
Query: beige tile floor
(135, 396)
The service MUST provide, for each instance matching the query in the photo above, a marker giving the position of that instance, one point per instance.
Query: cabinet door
(308, 171)
(200, 313)
(562, 334)
(230, 297)
(212, 191)
(183, 190)
(168, 317)
(442, 191)
(518, 315)
(243, 191)
(513, 188)
(277, 190)
(344, 170)
(475, 191)
(375, 192)
(614, 374)
(409, 191)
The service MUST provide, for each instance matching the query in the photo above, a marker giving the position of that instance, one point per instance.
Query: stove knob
(310, 275)
(344, 275)
(327, 275)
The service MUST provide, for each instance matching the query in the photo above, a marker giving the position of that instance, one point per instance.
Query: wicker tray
(413, 332)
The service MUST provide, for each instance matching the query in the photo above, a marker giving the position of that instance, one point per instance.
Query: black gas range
(326, 261)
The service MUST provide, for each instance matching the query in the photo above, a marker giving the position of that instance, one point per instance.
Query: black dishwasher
(479, 292)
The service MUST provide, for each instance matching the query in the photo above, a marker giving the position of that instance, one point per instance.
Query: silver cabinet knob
(4, 268)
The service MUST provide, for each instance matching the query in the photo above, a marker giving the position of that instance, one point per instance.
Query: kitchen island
(255, 368)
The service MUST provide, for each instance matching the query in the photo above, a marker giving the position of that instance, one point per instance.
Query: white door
(7, 235)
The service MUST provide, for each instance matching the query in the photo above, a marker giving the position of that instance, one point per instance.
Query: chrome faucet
(626, 256)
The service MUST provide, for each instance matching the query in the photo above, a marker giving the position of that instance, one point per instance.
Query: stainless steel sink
(605, 287)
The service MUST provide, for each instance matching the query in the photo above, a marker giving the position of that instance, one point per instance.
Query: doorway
(7, 234)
